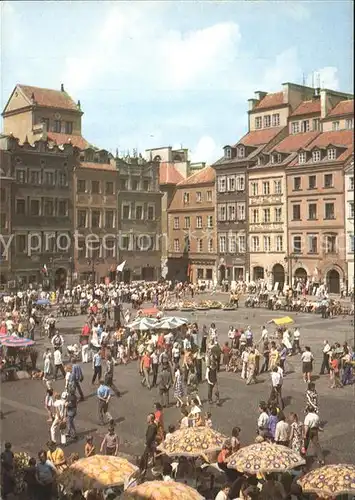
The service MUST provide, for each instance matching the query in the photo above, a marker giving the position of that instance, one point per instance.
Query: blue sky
(152, 74)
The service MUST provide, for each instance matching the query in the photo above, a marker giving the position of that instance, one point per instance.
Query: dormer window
(258, 122)
(241, 152)
(228, 153)
(267, 121)
(259, 160)
(276, 158)
(316, 156)
(331, 154)
(302, 157)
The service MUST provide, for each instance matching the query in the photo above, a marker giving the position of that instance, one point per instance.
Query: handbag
(62, 425)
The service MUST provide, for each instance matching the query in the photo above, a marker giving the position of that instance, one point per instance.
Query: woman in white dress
(47, 368)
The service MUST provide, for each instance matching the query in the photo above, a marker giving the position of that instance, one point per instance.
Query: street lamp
(290, 259)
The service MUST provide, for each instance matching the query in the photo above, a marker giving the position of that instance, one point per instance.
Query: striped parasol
(11, 341)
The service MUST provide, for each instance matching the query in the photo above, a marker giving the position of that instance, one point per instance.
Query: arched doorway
(60, 278)
(301, 274)
(333, 281)
(278, 276)
(258, 273)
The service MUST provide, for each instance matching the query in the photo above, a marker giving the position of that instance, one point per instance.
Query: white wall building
(349, 223)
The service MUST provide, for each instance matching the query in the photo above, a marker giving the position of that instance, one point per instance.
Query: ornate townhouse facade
(6, 182)
(349, 223)
(191, 229)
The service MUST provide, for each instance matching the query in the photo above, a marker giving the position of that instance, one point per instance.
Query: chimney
(62, 87)
(79, 104)
(252, 103)
(259, 94)
(33, 100)
(316, 94)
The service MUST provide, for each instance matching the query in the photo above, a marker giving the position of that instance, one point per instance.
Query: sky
(154, 74)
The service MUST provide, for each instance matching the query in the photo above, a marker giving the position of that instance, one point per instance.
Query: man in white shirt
(311, 430)
(244, 357)
(282, 431)
(263, 421)
(325, 362)
(277, 381)
(223, 493)
(58, 363)
(296, 341)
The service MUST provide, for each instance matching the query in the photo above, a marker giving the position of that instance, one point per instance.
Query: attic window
(332, 154)
(316, 156)
(302, 157)
(241, 152)
(259, 160)
(228, 153)
(276, 158)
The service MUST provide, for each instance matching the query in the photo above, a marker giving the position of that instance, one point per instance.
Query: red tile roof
(49, 98)
(76, 140)
(258, 137)
(168, 174)
(342, 108)
(293, 143)
(336, 138)
(204, 176)
(98, 166)
(271, 101)
(307, 108)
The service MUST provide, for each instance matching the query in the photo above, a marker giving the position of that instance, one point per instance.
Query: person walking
(155, 366)
(276, 382)
(77, 378)
(145, 369)
(282, 431)
(311, 434)
(110, 444)
(179, 391)
(325, 362)
(307, 364)
(266, 353)
(103, 398)
(212, 382)
(296, 348)
(295, 433)
(164, 384)
(109, 371)
(97, 367)
(59, 415)
(58, 363)
(72, 408)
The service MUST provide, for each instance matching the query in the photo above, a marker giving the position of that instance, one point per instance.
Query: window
(186, 222)
(335, 125)
(63, 179)
(200, 245)
(241, 152)
(296, 183)
(109, 188)
(312, 211)
(198, 197)
(258, 122)
(35, 177)
(200, 274)
(95, 187)
(255, 216)
(21, 176)
(316, 156)
(254, 188)
(276, 158)
(81, 186)
(267, 121)
(222, 243)
(124, 184)
(49, 178)
(241, 244)
(296, 212)
(68, 127)
(221, 182)
(279, 244)
(62, 208)
(209, 196)
(176, 223)
(329, 211)
(199, 222)
(266, 215)
(232, 243)
(20, 207)
(312, 182)
(45, 122)
(3, 222)
(126, 212)
(176, 245)
(210, 245)
(21, 243)
(312, 244)
(351, 209)
(316, 124)
(48, 208)
(231, 211)
(330, 244)
(352, 243)
(110, 247)
(278, 214)
(151, 212)
(57, 126)
(81, 218)
(241, 211)
(295, 128)
(125, 242)
(187, 244)
(63, 243)
(267, 243)
(146, 185)
(305, 126)
(328, 180)
(351, 183)
(139, 212)
(296, 244)
(276, 120)
(221, 212)
(277, 187)
(95, 218)
(210, 221)
(266, 187)
(302, 157)
(231, 183)
(35, 207)
(109, 219)
(186, 198)
(240, 183)
(255, 244)
(135, 184)
(228, 153)
(349, 123)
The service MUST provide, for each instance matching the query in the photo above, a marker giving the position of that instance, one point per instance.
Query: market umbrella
(143, 324)
(11, 341)
(285, 320)
(170, 322)
(161, 490)
(330, 480)
(97, 472)
(192, 442)
(264, 457)
(43, 302)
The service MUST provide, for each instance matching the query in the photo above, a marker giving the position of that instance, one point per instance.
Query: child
(208, 420)
(90, 449)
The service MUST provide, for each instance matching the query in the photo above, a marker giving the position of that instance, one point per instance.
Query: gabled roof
(205, 176)
(76, 140)
(48, 98)
(168, 174)
(98, 166)
(259, 137)
(271, 101)
(342, 108)
(295, 142)
(307, 108)
(338, 137)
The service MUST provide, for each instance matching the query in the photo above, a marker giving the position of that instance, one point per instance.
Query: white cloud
(325, 78)
(206, 150)
(285, 68)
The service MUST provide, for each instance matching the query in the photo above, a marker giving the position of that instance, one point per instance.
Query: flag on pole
(119, 268)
